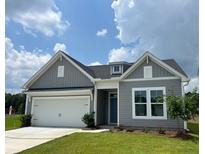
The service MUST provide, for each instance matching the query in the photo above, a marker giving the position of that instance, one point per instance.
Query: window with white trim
(148, 103)
(60, 71)
(116, 69)
(140, 103)
(147, 72)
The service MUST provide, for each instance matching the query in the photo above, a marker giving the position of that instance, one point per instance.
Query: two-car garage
(59, 111)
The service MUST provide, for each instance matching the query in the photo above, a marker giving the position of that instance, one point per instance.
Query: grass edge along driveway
(115, 143)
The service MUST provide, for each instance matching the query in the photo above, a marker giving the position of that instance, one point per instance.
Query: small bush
(162, 131)
(25, 120)
(89, 120)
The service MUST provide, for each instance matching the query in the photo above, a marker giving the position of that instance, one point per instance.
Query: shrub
(89, 120)
(162, 131)
(25, 120)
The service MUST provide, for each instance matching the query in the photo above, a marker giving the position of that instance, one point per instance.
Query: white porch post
(95, 102)
(26, 105)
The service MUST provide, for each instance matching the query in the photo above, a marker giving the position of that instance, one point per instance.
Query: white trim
(118, 105)
(104, 80)
(148, 104)
(151, 79)
(158, 61)
(183, 93)
(41, 70)
(26, 105)
(58, 55)
(57, 93)
(116, 72)
(107, 84)
(109, 93)
(84, 72)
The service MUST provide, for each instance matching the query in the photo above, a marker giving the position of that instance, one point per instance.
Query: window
(60, 71)
(116, 69)
(147, 72)
(148, 103)
(140, 103)
(157, 102)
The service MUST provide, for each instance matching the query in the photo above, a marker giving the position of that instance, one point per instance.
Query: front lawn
(12, 122)
(115, 143)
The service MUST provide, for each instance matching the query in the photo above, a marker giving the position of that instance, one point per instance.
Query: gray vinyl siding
(157, 71)
(72, 77)
(173, 87)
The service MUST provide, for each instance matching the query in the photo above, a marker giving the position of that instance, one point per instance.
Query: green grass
(193, 127)
(12, 122)
(116, 143)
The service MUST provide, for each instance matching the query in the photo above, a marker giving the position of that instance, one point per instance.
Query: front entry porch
(107, 107)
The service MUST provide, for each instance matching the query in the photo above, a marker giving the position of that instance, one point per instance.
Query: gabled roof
(103, 71)
(169, 65)
(85, 70)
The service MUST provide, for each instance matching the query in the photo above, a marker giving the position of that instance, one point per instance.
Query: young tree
(184, 108)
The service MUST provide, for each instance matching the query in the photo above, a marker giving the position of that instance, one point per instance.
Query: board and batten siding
(173, 87)
(72, 77)
(157, 71)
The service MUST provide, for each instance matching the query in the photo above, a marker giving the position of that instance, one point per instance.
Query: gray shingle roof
(103, 71)
(174, 65)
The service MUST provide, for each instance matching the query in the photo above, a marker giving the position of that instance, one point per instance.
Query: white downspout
(183, 93)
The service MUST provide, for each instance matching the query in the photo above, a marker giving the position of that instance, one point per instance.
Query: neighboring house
(120, 93)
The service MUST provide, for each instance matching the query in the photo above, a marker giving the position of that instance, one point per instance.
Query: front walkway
(28, 137)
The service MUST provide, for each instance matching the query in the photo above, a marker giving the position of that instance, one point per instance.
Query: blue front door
(113, 108)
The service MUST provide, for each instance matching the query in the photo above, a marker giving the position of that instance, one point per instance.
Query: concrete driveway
(24, 138)
(28, 137)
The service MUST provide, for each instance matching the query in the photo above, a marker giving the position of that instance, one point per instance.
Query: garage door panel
(60, 111)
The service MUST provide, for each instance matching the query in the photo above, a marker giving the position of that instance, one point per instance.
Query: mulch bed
(162, 132)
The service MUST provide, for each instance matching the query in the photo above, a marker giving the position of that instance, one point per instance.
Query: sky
(98, 32)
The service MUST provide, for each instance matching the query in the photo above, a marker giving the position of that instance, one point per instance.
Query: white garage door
(60, 111)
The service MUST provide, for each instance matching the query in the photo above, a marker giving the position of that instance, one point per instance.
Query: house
(120, 93)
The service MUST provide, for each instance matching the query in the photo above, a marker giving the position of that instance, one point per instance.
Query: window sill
(149, 118)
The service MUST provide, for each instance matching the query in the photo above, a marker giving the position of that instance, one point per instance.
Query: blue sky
(96, 32)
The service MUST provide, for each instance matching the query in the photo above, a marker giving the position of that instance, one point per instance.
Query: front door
(113, 107)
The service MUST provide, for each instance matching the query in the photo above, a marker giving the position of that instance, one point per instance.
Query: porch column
(95, 103)
(26, 105)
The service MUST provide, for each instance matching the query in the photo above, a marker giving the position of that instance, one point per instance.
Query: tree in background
(17, 101)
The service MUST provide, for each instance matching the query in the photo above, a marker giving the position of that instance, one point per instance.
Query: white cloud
(169, 29)
(21, 65)
(194, 83)
(95, 63)
(59, 46)
(123, 54)
(131, 4)
(102, 32)
(36, 16)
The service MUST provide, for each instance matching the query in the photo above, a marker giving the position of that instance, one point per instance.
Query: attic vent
(147, 72)
(60, 71)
